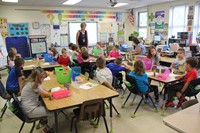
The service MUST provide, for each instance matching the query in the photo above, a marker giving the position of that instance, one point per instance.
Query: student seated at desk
(97, 50)
(15, 78)
(79, 58)
(12, 54)
(64, 58)
(140, 48)
(115, 52)
(141, 79)
(55, 53)
(75, 53)
(116, 67)
(103, 74)
(181, 88)
(31, 92)
(86, 66)
(178, 64)
(152, 54)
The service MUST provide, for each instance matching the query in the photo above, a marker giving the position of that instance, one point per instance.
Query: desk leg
(56, 122)
(111, 127)
(165, 91)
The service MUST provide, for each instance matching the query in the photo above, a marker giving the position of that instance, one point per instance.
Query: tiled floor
(146, 120)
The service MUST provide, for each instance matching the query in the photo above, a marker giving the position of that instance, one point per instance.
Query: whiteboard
(92, 31)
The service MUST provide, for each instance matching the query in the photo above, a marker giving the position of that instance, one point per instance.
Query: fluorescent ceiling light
(14, 1)
(120, 4)
(71, 2)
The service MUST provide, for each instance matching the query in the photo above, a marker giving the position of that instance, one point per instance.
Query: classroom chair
(133, 88)
(189, 103)
(90, 110)
(6, 96)
(18, 111)
(192, 91)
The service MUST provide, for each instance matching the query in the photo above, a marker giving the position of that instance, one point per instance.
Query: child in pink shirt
(79, 58)
(115, 52)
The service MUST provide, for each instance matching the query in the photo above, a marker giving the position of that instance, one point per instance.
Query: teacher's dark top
(82, 39)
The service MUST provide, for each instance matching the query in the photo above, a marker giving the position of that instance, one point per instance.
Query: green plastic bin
(63, 76)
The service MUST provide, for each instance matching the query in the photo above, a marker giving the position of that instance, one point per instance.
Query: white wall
(162, 7)
(29, 14)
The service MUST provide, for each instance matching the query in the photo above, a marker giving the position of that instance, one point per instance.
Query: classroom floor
(146, 120)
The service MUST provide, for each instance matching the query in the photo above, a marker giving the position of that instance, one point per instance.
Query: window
(178, 19)
(142, 24)
(196, 28)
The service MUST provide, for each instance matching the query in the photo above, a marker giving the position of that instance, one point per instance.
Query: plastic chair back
(92, 109)
(189, 103)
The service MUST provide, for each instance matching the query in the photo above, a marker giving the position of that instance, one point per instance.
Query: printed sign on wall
(159, 19)
(3, 27)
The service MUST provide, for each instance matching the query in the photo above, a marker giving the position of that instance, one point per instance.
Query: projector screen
(92, 30)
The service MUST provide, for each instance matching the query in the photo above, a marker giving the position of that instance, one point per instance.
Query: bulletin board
(20, 29)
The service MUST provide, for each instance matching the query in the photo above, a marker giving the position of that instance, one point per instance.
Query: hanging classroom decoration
(20, 29)
(60, 18)
(51, 18)
(76, 12)
(159, 19)
(190, 18)
(151, 17)
(118, 17)
(3, 27)
(89, 16)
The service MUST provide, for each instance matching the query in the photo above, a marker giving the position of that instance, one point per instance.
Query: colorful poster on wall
(118, 17)
(20, 29)
(190, 18)
(3, 27)
(45, 30)
(103, 37)
(159, 19)
(120, 37)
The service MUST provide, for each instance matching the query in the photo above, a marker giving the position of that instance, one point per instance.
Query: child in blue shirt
(116, 67)
(15, 78)
(141, 79)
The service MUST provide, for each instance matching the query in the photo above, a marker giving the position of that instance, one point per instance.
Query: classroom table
(171, 79)
(31, 64)
(185, 121)
(78, 96)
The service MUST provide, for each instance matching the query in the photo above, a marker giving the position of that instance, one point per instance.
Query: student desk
(169, 80)
(78, 96)
(185, 121)
(31, 64)
(166, 61)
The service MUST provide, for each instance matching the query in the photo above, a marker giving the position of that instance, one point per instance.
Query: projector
(112, 3)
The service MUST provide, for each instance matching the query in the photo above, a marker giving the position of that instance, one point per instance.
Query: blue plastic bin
(76, 70)
(48, 57)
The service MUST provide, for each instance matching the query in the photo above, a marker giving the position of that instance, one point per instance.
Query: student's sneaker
(146, 100)
(47, 130)
(181, 100)
(169, 104)
(156, 103)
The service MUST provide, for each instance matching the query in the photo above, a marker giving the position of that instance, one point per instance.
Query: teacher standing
(82, 37)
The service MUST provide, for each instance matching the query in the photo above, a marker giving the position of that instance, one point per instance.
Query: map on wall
(20, 29)
(38, 47)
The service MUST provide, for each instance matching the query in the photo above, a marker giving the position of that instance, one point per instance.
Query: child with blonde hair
(141, 79)
(115, 52)
(55, 53)
(79, 58)
(31, 92)
(12, 54)
(64, 58)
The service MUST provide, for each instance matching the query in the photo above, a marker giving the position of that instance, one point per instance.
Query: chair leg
(138, 105)
(3, 110)
(21, 127)
(72, 121)
(76, 129)
(105, 124)
(115, 109)
(32, 127)
(133, 100)
(195, 97)
(127, 99)
(152, 102)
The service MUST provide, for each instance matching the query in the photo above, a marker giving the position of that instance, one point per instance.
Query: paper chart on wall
(45, 30)
(3, 27)
(55, 34)
(105, 27)
(3, 52)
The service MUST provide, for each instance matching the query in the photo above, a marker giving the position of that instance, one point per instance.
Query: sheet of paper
(46, 64)
(47, 78)
(87, 86)
(29, 66)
